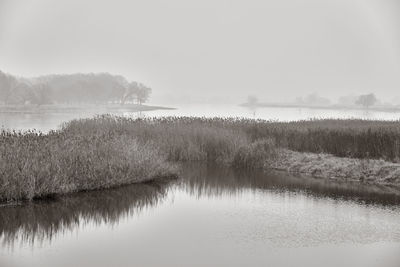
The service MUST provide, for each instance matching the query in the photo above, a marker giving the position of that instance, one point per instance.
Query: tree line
(71, 89)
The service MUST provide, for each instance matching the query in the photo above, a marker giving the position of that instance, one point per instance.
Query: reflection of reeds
(211, 180)
(42, 220)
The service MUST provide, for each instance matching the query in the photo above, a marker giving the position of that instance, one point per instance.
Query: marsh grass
(353, 138)
(255, 155)
(108, 151)
(34, 165)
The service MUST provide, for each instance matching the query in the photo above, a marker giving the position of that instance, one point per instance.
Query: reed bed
(108, 151)
(33, 165)
(353, 138)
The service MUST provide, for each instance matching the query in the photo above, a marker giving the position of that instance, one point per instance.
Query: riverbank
(330, 167)
(108, 151)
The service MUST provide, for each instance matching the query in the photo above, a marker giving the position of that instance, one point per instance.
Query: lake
(211, 216)
(47, 121)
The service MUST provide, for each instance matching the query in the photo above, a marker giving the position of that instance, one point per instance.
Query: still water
(47, 121)
(211, 216)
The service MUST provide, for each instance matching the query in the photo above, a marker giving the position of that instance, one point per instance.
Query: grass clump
(179, 139)
(255, 155)
(352, 138)
(33, 165)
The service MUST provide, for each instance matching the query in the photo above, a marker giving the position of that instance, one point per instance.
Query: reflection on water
(211, 216)
(211, 180)
(42, 220)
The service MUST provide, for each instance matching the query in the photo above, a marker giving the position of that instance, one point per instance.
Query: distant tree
(71, 88)
(299, 100)
(42, 94)
(366, 100)
(21, 94)
(136, 91)
(315, 100)
(252, 100)
(347, 100)
(143, 94)
(130, 92)
(7, 84)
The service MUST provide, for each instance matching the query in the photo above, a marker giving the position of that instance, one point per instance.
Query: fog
(199, 51)
(199, 133)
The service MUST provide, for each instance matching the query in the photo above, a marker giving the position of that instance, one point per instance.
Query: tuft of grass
(255, 155)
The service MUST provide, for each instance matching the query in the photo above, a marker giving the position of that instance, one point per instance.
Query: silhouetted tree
(71, 88)
(143, 94)
(366, 100)
(136, 91)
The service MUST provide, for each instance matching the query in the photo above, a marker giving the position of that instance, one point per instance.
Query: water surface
(212, 216)
(48, 121)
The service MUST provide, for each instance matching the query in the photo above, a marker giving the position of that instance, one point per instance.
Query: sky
(220, 50)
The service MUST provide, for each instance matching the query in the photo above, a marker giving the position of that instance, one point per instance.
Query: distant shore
(326, 107)
(67, 108)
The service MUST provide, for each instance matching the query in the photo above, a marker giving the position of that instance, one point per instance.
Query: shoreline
(329, 107)
(73, 108)
(326, 166)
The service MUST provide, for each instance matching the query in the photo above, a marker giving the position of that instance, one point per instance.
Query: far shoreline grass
(108, 151)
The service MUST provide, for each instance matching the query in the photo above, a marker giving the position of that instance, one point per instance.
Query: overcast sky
(211, 48)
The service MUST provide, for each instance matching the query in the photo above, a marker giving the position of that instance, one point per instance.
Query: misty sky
(211, 48)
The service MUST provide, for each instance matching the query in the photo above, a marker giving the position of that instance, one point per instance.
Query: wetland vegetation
(108, 151)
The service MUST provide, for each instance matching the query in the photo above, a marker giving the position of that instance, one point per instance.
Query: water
(271, 113)
(47, 121)
(211, 216)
